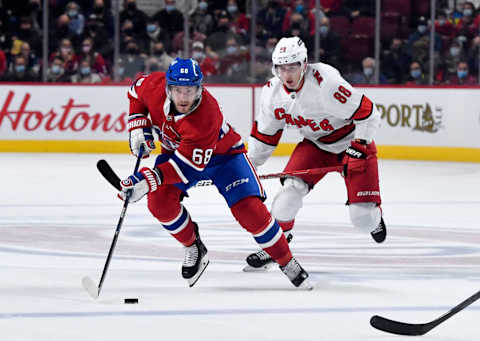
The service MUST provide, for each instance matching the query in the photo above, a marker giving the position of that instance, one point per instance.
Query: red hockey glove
(141, 183)
(356, 156)
(140, 130)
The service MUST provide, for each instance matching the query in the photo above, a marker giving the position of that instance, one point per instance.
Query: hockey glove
(356, 157)
(141, 183)
(140, 130)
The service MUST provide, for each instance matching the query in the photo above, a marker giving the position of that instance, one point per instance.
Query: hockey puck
(131, 300)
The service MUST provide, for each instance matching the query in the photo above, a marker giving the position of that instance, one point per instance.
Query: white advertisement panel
(49, 112)
(443, 117)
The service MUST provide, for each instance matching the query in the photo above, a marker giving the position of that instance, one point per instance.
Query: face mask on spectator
(65, 50)
(203, 6)
(85, 70)
(422, 28)
(324, 30)
(169, 8)
(299, 8)
(57, 69)
(86, 48)
(158, 52)
(198, 55)
(441, 22)
(98, 9)
(462, 73)
(454, 51)
(415, 73)
(132, 50)
(467, 12)
(232, 8)
(232, 49)
(151, 28)
(19, 68)
(72, 13)
(131, 6)
(368, 71)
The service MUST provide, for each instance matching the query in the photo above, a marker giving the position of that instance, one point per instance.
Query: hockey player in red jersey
(337, 123)
(197, 144)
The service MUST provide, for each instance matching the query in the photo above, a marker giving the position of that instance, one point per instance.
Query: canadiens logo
(300, 121)
(169, 137)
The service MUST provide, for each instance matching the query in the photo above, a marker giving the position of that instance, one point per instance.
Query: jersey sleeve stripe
(179, 172)
(364, 110)
(187, 161)
(338, 134)
(271, 140)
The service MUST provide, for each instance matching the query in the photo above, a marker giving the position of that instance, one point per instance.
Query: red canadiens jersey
(192, 138)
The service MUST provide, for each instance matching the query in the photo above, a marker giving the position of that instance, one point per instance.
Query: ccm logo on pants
(236, 183)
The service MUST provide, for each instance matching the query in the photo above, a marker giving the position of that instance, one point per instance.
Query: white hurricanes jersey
(326, 110)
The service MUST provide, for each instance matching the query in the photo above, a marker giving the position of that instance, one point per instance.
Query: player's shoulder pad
(144, 81)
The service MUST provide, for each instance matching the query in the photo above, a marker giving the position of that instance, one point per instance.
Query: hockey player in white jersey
(337, 123)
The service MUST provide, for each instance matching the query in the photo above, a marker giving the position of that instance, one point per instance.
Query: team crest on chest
(169, 137)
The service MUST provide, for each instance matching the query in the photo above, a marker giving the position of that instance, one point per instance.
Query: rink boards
(417, 123)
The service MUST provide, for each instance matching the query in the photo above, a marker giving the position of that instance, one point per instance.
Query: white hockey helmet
(287, 51)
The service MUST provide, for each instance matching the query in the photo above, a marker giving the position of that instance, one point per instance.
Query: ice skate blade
(306, 285)
(266, 267)
(203, 266)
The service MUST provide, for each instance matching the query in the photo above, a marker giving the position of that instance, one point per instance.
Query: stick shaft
(119, 226)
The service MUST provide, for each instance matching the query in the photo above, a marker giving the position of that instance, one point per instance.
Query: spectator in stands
(462, 76)
(69, 57)
(170, 18)
(20, 71)
(465, 26)
(56, 72)
(240, 22)
(444, 26)
(95, 58)
(202, 19)
(162, 59)
(137, 17)
(27, 34)
(85, 73)
(77, 20)
(299, 28)
(61, 31)
(102, 14)
(177, 43)
(395, 62)
(208, 64)
(155, 34)
(30, 57)
(96, 31)
(299, 13)
(367, 75)
(417, 77)
(474, 55)
(133, 63)
(34, 11)
(272, 17)
(329, 44)
(216, 41)
(331, 7)
(263, 65)
(455, 54)
(234, 67)
(419, 42)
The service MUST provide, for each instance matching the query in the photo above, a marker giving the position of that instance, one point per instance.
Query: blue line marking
(205, 312)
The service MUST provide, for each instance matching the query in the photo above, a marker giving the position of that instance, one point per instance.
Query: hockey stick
(87, 283)
(110, 175)
(402, 328)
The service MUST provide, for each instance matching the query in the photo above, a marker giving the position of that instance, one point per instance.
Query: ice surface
(58, 216)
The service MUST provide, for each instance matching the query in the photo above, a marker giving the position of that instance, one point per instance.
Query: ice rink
(58, 216)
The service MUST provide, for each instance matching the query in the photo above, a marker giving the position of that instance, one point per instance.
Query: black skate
(296, 274)
(260, 260)
(195, 261)
(380, 233)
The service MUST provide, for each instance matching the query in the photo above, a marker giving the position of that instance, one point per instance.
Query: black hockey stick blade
(109, 174)
(403, 328)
